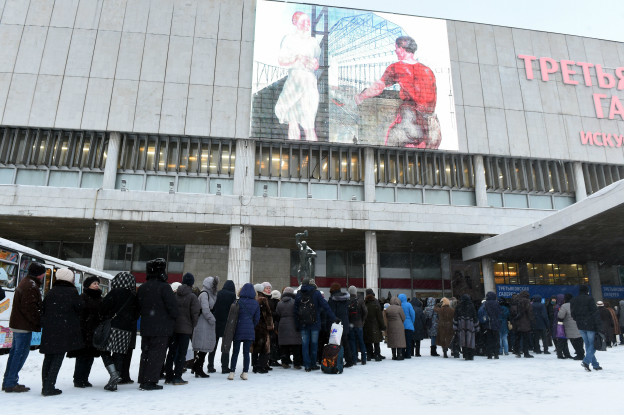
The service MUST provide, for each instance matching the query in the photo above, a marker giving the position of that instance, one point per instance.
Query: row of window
(53, 148)
(541, 274)
(31, 147)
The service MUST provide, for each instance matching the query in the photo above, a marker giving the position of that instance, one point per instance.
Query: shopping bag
(335, 334)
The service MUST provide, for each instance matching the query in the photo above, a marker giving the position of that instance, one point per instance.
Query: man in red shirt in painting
(416, 124)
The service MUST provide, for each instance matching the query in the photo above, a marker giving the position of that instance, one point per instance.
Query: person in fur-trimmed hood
(261, 347)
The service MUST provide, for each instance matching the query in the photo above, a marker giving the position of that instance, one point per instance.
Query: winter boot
(445, 355)
(198, 367)
(114, 378)
(417, 348)
(433, 351)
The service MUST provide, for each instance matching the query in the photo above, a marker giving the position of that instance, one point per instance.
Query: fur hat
(259, 288)
(288, 290)
(275, 295)
(89, 280)
(335, 287)
(267, 288)
(175, 286)
(35, 269)
(188, 279)
(352, 290)
(312, 282)
(446, 301)
(156, 269)
(64, 274)
(369, 291)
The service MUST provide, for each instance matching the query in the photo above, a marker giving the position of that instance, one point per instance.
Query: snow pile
(509, 385)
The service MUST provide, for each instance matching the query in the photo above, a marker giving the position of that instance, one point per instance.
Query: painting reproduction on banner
(351, 76)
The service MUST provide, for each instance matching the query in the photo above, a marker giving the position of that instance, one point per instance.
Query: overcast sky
(603, 19)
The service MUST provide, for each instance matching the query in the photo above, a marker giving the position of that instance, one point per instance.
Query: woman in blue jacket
(408, 324)
(248, 318)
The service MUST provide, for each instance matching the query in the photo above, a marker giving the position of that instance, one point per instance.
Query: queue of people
(276, 328)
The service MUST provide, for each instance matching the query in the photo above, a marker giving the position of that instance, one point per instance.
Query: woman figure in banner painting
(416, 124)
(298, 102)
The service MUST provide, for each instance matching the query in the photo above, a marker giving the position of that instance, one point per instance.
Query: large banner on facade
(351, 76)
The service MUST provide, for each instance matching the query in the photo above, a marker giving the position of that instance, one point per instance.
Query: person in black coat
(419, 325)
(339, 305)
(90, 318)
(225, 298)
(158, 309)
(585, 312)
(121, 305)
(60, 325)
(493, 325)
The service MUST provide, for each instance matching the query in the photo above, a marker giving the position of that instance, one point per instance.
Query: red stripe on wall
(141, 277)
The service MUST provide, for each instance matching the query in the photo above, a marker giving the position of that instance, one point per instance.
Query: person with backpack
(339, 305)
(522, 314)
(204, 335)
(357, 316)
(308, 305)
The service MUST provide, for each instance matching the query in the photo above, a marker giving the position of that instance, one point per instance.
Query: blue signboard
(612, 291)
(546, 291)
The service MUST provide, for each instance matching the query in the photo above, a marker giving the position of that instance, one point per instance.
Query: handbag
(103, 330)
(561, 334)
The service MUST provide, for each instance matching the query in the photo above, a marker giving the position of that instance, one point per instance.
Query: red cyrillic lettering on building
(619, 72)
(586, 75)
(605, 80)
(606, 139)
(618, 139)
(596, 142)
(587, 138)
(547, 66)
(566, 71)
(598, 104)
(528, 68)
(616, 108)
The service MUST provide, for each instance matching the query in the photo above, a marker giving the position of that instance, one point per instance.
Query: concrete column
(480, 186)
(372, 263)
(579, 181)
(112, 160)
(594, 280)
(369, 175)
(523, 273)
(239, 255)
(445, 269)
(99, 244)
(244, 166)
(489, 284)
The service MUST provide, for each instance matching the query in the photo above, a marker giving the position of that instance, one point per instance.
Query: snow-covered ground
(508, 385)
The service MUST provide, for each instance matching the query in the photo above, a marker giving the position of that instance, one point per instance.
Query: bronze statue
(306, 258)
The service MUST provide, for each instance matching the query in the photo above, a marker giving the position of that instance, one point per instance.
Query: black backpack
(353, 308)
(307, 310)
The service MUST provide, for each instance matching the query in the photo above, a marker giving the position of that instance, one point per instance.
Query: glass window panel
(214, 159)
(336, 264)
(172, 156)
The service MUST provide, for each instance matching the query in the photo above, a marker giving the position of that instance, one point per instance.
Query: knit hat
(88, 281)
(289, 290)
(65, 274)
(259, 288)
(599, 303)
(369, 291)
(175, 286)
(35, 269)
(335, 287)
(305, 281)
(188, 279)
(267, 288)
(352, 290)
(275, 295)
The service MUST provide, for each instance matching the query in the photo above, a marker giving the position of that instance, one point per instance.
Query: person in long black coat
(225, 298)
(158, 309)
(122, 304)
(339, 305)
(60, 325)
(90, 318)
(419, 325)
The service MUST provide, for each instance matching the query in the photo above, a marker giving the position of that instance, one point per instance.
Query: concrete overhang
(590, 230)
